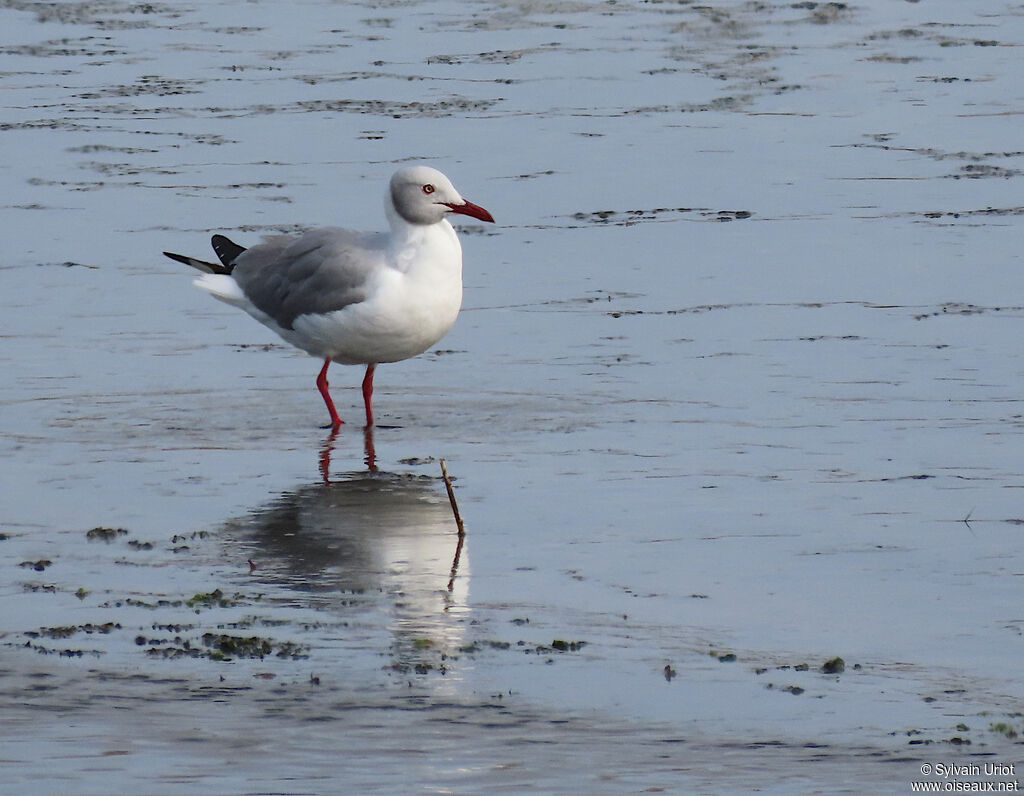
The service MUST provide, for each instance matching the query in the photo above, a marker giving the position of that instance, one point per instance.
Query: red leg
(368, 393)
(321, 384)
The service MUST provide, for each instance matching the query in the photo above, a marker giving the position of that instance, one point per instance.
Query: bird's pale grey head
(423, 195)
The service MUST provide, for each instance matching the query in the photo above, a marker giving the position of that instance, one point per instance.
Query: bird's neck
(409, 242)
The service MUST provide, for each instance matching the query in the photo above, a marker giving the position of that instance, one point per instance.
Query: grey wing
(322, 271)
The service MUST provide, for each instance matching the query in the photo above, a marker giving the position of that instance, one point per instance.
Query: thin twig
(458, 522)
(451, 499)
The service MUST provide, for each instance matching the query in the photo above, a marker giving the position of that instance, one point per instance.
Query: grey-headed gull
(357, 298)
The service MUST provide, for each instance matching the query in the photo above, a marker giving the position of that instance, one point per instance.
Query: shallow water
(735, 392)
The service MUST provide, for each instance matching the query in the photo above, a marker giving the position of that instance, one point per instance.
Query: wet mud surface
(733, 407)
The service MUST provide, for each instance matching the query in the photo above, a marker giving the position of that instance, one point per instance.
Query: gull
(355, 298)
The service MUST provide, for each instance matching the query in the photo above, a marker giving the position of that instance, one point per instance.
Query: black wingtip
(227, 250)
(181, 258)
(199, 265)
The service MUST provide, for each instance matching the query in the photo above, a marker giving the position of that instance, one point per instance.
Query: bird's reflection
(380, 541)
(369, 453)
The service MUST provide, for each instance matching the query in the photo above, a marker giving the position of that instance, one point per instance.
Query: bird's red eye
(428, 188)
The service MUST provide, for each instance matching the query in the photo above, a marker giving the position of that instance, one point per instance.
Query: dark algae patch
(225, 647)
(70, 630)
(211, 599)
(221, 647)
(64, 632)
(558, 645)
(101, 534)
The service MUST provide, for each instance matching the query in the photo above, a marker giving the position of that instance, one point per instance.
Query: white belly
(376, 331)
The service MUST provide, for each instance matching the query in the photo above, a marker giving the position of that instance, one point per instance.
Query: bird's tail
(223, 287)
